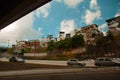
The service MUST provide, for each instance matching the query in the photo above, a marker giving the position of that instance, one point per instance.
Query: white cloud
(19, 30)
(93, 13)
(91, 16)
(93, 4)
(117, 13)
(102, 28)
(43, 11)
(58, 1)
(70, 3)
(22, 29)
(67, 25)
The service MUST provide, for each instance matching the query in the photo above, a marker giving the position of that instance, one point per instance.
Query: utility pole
(8, 43)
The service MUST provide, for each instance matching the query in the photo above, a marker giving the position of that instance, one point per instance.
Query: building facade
(29, 46)
(89, 33)
(61, 36)
(114, 25)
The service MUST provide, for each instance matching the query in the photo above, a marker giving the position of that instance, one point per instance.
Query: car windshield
(73, 60)
(107, 59)
(18, 57)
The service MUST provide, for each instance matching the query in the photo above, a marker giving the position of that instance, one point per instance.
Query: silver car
(75, 62)
(106, 62)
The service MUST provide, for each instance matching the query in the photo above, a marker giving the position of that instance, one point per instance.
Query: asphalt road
(79, 75)
(112, 73)
(52, 62)
(60, 63)
(108, 73)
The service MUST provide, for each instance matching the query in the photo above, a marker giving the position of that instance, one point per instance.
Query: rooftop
(118, 17)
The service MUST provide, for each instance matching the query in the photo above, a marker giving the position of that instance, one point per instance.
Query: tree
(77, 41)
(110, 36)
(22, 51)
(3, 49)
(59, 44)
(50, 36)
(51, 45)
(64, 44)
(10, 50)
(67, 43)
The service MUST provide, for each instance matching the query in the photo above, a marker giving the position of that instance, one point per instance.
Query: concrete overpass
(11, 10)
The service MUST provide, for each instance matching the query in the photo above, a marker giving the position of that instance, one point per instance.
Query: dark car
(16, 59)
(75, 62)
(106, 62)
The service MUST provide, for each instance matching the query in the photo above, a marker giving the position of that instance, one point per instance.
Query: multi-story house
(19, 46)
(68, 35)
(78, 31)
(34, 44)
(44, 42)
(90, 32)
(25, 45)
(114, 25)
(61, 36)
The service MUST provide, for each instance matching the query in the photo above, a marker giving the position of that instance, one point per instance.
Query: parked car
(16, 59)
(106, 62)
(75, 62)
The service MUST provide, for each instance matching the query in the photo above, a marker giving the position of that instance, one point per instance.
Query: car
(75, 62)
(106, 62)
(16, 59)
(116, 59)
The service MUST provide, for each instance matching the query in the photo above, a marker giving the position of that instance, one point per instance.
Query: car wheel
(117, 65)
(69, 64)
(81, 65)
(97, 65)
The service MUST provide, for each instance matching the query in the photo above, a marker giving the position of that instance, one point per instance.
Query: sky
(60, 15)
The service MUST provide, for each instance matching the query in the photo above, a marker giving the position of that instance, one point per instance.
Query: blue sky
(60, 15)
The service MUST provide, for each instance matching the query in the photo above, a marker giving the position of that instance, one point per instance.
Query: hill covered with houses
(85, 42)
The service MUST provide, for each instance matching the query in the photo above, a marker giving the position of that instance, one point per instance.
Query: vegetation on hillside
(105, 45)
(68, 43)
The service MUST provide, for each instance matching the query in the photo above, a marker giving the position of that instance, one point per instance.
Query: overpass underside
(11, 10)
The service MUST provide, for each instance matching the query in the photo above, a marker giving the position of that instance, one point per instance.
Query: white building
(114, 25)
(61, 36)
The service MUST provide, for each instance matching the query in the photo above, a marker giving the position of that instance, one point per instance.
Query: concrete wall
(35, 54)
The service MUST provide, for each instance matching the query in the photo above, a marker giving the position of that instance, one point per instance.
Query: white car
(16, 59)
(107, 62)
(116, 59)
(75, 62)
